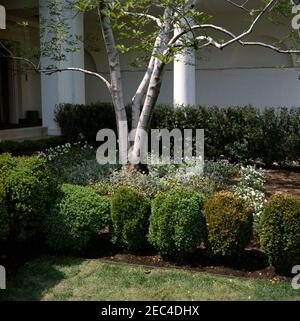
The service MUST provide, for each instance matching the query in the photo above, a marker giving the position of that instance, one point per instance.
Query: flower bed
(219, 211)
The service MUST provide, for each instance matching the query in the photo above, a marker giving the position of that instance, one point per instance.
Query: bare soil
(283, 181)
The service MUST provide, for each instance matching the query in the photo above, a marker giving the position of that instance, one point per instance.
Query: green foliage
(280, 231)
(75, 163)
(130, 211)
(28, 147)
(4, 220)
(7, 162)
(83, 122)
(30, 192)
(78, 215)
(177, 225)
(238, 133)
(229, 224)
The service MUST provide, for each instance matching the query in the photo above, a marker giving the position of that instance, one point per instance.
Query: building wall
(234, 76)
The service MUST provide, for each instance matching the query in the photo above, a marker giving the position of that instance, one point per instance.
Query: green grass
(50, 278)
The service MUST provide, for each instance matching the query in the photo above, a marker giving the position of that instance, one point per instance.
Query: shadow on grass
(33, 280)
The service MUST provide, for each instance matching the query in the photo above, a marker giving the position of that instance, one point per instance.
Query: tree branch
(87, 72)
(240, 6)
(144, 15)
(236, 38)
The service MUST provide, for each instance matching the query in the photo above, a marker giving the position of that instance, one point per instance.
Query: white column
(184, 75)
(66, 86)
(2, 17)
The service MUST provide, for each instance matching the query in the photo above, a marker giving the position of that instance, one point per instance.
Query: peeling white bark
(116, 89)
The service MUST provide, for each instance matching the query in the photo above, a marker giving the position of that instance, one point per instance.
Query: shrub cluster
(280, 231)
(4, 221)
(130, 212)
(177, 225)
(30, 190)
(229, 224)
(239, 133)
(78, 215)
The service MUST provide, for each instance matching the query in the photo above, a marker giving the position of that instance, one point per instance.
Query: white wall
(234, 76)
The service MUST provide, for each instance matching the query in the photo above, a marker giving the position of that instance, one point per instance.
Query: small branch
(259, 16)
(52, 71)
(240, 6)
(87, 72)
(236, 38)
(261, 44)
(144, 15)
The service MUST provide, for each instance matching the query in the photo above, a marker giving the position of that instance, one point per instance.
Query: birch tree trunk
(116, 89)
(152, 91)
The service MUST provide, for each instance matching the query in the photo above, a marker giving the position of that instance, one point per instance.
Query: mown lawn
(50, 278)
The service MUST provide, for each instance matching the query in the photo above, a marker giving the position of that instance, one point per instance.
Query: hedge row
(29, 147)
(239, 133)
(34, 207)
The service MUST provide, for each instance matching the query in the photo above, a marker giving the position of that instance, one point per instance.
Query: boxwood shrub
(177, 225)
(30, 191)
(78, 215)
(229, 224)
(4, 222)
(130, 212)
(280, 231)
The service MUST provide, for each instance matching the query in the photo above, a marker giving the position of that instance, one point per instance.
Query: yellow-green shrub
(229, 224)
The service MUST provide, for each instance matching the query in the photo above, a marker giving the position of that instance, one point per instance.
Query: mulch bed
(252, 263)
(283, 181)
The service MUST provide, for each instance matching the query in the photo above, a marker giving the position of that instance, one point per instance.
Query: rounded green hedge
(130, 212)
(280, 231)
(30, 192)
(4, 222)
(229, 224)
(177, 225)
(78, 215)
